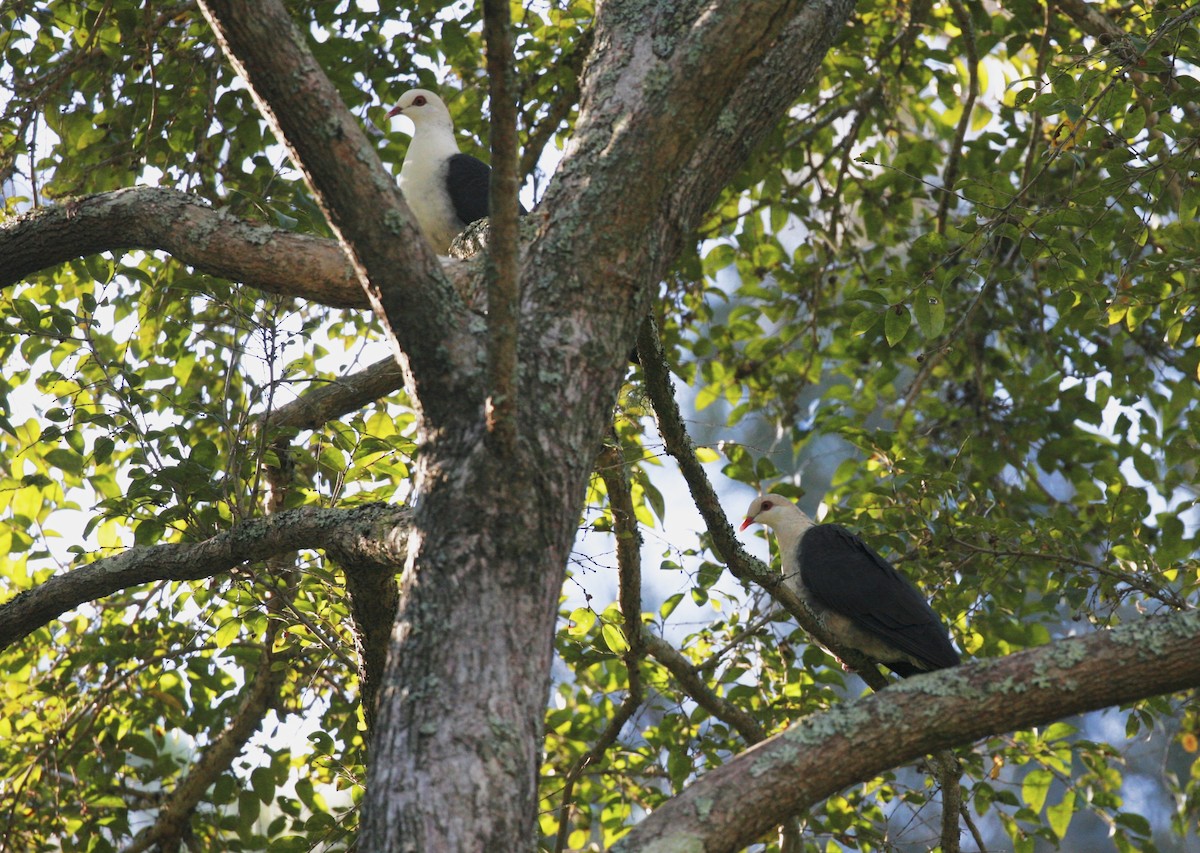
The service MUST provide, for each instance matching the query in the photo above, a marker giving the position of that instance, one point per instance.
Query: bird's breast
(424, 188)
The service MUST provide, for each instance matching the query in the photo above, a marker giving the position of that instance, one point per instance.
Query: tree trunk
(460, 724)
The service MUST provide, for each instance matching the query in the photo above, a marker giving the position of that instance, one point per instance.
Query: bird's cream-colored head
(423, 108)
(779, 514)
(785, 519)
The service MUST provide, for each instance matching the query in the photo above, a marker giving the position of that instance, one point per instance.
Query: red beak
(746, 523)
(395, 111)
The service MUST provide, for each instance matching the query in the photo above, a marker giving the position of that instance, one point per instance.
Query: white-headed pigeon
(863, 602)
(445, 189)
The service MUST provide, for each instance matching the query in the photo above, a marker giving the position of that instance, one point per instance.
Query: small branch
(323, 403)
(947, 771)
(629, 543)
(629, 561)
(696, 687)
(171, 826)
(504, 271)
(366, 536)
(950, 175)
(974, 830)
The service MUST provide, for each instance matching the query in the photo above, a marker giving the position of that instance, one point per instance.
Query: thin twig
(503, 269)
(629, 561)
(695, 686)
(950, 174)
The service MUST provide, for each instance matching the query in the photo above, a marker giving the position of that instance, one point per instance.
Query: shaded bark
(504, 268)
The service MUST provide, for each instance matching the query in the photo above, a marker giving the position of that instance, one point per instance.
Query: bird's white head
(783, 517)
(423, 107)
(779, 514)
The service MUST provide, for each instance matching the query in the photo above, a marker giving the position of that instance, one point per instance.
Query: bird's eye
(419, 101)
(767, 505)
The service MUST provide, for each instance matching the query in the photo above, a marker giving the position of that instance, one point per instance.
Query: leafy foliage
(957, 288)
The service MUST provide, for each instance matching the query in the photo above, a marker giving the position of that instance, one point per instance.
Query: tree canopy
(314, 540)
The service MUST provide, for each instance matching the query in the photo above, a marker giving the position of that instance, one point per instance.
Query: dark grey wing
(468, 180)
(847, 576)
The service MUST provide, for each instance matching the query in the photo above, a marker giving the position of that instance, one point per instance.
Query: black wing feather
(468, 181)
(847, 576)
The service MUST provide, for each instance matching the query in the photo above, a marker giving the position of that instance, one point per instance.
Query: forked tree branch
(423, 313)
(370, 537)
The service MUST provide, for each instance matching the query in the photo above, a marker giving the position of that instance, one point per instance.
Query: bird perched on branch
(445, 189)
(863, 602)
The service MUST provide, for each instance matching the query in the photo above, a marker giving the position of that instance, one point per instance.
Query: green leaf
(668, 606)
(930, 312)
(614, 638)
(864, 321)
(1034, 788)
(896, 323)
(148, 532)
(1136, 823)
(226, 633)
(205, 454)
(1059, 816)
(1134, 122)
(262, 781)
(718, 258)
(582, 619)
(102, 450)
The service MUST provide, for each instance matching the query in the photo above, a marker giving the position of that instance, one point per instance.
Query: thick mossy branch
(819, 755)
(211, 241)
